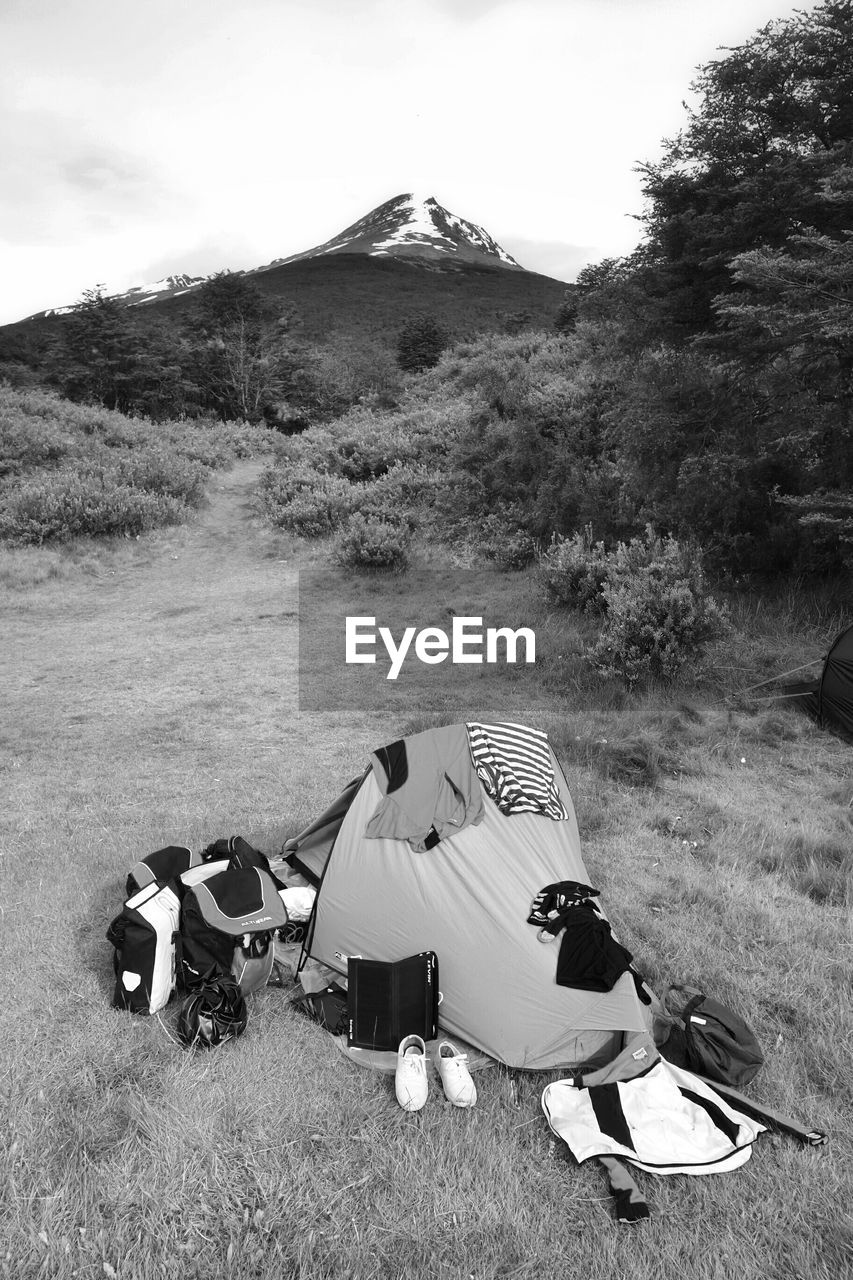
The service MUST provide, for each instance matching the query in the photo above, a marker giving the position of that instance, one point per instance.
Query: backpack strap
(692, 1004)
(809, 1137)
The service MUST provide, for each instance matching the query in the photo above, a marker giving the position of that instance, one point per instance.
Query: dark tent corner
(829, 699)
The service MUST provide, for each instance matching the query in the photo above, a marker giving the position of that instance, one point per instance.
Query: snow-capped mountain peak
(413, 226)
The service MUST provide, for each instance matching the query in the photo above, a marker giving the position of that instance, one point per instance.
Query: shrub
(658, 612)
(497, 535)
(27, 444)
(345, 371)
(211, 443)
(310, 505)
(68, 505)
(574, 571)
(159, 471)
(371, 542)
(85, 470)
(516, 549)
(398, 495)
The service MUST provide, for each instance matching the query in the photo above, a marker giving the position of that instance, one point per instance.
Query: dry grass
(155, 701)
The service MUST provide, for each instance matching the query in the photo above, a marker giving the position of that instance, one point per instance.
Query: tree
(774, 120)
(420, 343)
(105, 355)
(791, 331)
(238, 350)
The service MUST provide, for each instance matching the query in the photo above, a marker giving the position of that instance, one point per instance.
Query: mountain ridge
(408, 227)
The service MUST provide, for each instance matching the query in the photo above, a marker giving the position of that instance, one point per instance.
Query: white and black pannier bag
(164, 866)
(229, 920)
(144, 937)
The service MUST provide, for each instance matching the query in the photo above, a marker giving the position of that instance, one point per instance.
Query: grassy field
(150, 697)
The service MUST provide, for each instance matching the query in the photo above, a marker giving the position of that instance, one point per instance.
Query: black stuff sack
(239, 855)
(213, 1012)
(718, 1043)
(327, 1007)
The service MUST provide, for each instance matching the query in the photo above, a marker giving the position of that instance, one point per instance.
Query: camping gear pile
(438, 859)
(204, 924)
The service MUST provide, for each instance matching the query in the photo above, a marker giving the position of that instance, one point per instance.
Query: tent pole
(780, 676)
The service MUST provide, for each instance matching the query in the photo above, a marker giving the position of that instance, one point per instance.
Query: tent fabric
(830, 698)
(468, 900)
(835, 692)
(309, 851)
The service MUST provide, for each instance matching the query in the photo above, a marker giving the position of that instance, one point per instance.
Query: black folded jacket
(590, 957)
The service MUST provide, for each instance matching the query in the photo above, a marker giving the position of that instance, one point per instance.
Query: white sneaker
(410, 1078)
(455, 1076)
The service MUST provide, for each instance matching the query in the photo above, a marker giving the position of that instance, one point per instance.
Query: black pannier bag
(228, 925)
(144, 937)
(717, 1042)
(388, 1000)
(164, 866)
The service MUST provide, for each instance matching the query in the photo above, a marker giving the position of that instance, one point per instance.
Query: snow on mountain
(412, 226)
(172, 285)
(138, 294)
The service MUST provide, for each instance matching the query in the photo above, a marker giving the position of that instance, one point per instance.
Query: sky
(140, 138)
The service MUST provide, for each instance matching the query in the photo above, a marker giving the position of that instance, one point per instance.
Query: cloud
(468, 10)
(58, 183)
(556, 258)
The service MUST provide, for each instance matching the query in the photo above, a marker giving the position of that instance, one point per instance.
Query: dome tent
(467, 899)
(830, 697)
(834, 691)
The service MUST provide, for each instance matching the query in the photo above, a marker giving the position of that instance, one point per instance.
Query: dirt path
(171, 662)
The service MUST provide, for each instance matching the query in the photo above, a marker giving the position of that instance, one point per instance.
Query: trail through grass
(149, 695)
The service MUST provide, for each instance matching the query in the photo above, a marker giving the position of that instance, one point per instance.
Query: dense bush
(311, 505)
(346, 371)
(27, 444)
(653, 595)
(388, 465)
(514, 549)
(658, 613)
(404, 493)
(574, 571)
(68, 470)
(373, 542)
(68, 505)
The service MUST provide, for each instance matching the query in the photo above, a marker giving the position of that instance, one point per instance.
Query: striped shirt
(514, 765)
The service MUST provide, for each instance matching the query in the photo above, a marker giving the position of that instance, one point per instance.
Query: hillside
(407, 255)
(362, 296)
(355, 293)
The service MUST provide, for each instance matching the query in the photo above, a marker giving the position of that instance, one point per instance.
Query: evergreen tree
(106, 356)
(420, 343)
